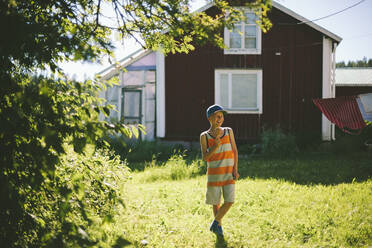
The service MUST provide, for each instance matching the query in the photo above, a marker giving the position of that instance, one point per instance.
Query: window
(131, 109)
(239, 91)
(245, 38)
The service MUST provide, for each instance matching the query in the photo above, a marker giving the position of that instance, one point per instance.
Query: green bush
(367, 133)
(248, 149)
(38, 115)
(346, 143)
(276, 142)
(74, 208)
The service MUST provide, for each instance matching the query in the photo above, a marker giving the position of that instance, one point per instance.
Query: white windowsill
(242, 51)
(243, 111)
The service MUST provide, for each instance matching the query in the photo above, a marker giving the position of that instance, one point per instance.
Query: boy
(219, 150)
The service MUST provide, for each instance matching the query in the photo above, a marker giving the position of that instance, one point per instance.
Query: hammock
(343, 111)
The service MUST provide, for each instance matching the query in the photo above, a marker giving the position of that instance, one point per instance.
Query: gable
(302, 20)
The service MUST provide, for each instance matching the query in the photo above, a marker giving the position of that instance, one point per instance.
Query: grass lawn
(314, 200)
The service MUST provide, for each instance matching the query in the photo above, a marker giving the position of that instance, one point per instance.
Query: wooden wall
(352, 90)
(290, 81)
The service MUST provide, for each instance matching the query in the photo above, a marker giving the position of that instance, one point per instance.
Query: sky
(354, 26)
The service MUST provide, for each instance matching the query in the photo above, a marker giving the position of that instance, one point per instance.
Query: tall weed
(176, 168)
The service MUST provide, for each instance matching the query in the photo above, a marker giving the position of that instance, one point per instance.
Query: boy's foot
(220, 231)
(217, 229)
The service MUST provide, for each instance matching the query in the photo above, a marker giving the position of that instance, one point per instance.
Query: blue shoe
(219, 230)
(216, 228)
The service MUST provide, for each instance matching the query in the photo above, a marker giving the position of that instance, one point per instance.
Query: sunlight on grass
(176, 168)
(164, 212)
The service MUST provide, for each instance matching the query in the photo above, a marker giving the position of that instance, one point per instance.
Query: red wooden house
(262, 79)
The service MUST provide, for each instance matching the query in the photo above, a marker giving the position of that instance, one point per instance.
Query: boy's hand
(218, 138)
(218, 141)
(235, 175)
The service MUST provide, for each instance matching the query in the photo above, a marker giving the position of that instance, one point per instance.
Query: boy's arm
(235, 150)
(203, 144)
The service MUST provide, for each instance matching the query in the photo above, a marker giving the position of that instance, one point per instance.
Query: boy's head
(216, 111)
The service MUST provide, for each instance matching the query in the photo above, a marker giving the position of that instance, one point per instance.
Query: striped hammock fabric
(342, 111)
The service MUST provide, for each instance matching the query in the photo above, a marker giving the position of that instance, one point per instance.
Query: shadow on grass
(302, 168)
(310, 168)
(121, 242)
(221, 242)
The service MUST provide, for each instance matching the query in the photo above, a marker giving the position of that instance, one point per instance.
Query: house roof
(112, 70)
(354, 76)
(307, 22)
(289, 12)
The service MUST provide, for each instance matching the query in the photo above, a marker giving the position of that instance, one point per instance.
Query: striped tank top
(220, 165)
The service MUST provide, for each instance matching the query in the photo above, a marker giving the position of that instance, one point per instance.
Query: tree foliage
(358, 63)
(38, 115)
(36, 122)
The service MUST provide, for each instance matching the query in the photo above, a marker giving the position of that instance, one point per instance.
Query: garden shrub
(351, 143)
(248, 149)
(89, 184)
(276, 142)
(38, 115)
(367, 133)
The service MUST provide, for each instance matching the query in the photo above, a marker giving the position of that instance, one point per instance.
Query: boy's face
(216, 119)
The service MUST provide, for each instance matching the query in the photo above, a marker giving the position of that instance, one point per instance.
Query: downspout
(333, 83)
(160, 95)
(327, 85)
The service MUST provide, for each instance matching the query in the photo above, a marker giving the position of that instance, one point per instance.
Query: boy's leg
(229, 198)
(222, 211)
(215, 209)
(213, 197)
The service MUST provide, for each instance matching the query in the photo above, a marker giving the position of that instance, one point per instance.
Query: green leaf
(142, 128)
(135, 131)
(106, 111)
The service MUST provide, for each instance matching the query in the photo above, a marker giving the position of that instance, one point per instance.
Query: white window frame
(258, 72)
(243, 50)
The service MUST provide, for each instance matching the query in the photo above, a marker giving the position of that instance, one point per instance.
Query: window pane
(112, 94)
(112, 98)
(250, 36)
(132, 104)
(224, 90)
(250, 17)
(235, 37)
(133, 78)
(150, 91)
(244, 91)
(250, 31)
(250, 43)
(150, 76)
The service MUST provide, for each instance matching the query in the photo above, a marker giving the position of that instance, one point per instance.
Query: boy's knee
(229, 203)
